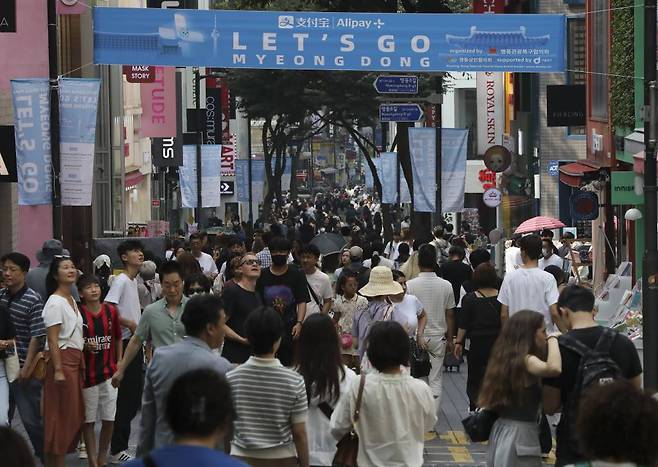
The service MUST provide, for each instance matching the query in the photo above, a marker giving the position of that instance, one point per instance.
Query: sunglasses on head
(62, 256)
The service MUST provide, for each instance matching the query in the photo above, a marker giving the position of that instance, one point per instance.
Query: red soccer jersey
(104, 330)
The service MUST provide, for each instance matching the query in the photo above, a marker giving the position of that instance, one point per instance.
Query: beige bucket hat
(381, 283)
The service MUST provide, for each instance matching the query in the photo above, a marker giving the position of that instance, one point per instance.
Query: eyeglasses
(251, 262)
(194, 291)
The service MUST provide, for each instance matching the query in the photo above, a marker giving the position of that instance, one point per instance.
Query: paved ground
(450, 448)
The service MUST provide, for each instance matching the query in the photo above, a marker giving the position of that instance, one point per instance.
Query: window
(576, 56)
(600, 60)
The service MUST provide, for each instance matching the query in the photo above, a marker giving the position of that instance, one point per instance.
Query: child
(346, 306)
(103, 349)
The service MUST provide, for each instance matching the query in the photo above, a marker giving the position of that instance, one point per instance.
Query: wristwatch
(298, 322)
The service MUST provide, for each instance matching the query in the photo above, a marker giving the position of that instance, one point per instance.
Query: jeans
(436, 346)
(4, 396)
(27, 398)
(129, 400)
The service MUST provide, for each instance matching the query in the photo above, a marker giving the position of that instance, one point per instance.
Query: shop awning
(638, 163)
(575, 174)
(133, 179)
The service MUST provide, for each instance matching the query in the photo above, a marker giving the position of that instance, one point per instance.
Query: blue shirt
(179, 455)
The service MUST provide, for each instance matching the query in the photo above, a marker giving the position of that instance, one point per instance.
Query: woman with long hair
(189, 264)
(326, 378)
(480, 322)
(63, 403)
(512, 388)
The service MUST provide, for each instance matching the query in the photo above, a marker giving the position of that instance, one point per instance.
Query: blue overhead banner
(31, 98)
(329, 41)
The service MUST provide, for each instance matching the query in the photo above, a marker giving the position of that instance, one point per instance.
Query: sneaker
(82, 450)
(120, 457)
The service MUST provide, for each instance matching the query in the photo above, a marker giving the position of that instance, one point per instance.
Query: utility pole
(650, 266)
(437, 124)
(54, 118)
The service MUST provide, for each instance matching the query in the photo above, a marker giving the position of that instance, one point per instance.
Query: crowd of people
(252, 349)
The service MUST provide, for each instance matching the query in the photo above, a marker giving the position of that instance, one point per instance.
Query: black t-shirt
(238, 303)
(623, 352)
(480, 316)
(283, 293)
(455, 272)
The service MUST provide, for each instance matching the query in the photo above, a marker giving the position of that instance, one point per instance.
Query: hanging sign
(584, 206)
(492, 197)
(7, 154)
(139, 73)
(210, 177)
(31, 99)
(78, 104)
(330, 41)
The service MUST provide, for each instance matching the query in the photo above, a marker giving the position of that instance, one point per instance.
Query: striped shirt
(25, 309)
(268, 399)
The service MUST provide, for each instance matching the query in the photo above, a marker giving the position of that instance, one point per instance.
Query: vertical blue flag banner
(78, 103)
(329, 41)
(31, 101)
(389, 177)
(454, 144)
(210, 176)
(258, 180)
(405, 195)
(370, 180)
(242, 180)
(422, 145)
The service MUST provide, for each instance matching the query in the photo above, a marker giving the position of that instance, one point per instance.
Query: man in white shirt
(438, 301)
(206, 262)
(530, 288)
(124, 294)
(549, 258)
(319, 284)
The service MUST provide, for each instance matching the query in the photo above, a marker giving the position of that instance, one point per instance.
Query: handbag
(419, 360)
(478, 425)
(346, 340)
(348, 446)
(12, 366)
(37, 368)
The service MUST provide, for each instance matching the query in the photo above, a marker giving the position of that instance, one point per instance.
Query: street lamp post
(650, 266)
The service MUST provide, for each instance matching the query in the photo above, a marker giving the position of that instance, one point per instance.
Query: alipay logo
(286, 22)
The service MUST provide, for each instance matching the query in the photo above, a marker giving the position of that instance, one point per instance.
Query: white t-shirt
(391, 250)
(407, 312)
(125, 295)
(553, 260)
(321, 285)
(57, 310)
(207, 264)
(529, 289)
(436, 296)
(513, 259)
(382, 262)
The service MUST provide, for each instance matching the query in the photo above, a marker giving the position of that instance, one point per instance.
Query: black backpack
(596, 368)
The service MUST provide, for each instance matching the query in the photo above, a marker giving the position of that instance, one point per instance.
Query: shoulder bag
(348, 446)
(478, 425)
(12, 365)
(37, 368)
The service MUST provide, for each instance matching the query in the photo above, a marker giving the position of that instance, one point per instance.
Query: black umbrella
(328, 242)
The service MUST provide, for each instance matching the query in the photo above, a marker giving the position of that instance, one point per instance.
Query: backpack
(596, 368)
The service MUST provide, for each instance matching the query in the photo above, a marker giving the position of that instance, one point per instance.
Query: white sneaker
(120, 457)
(82, 450)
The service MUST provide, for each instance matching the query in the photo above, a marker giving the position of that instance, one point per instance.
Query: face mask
(279, 260)
(547, 252)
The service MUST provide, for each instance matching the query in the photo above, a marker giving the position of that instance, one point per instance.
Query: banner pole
(197, 106)
(54, 119)
(437, 125)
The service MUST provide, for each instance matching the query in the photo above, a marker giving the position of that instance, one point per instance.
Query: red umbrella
(538, 223)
